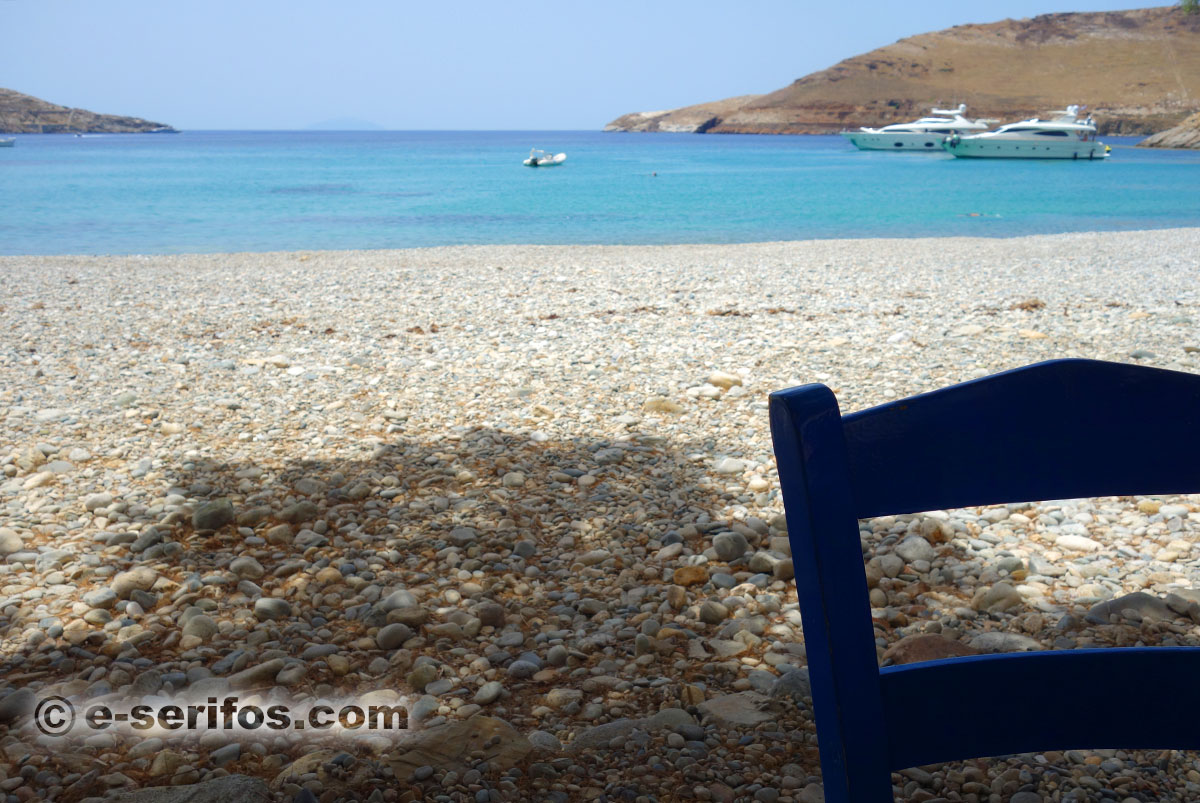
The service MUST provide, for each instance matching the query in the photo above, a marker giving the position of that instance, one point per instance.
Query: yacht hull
(899, 141)
(1024, 149)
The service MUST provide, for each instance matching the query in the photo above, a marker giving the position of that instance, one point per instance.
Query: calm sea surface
(266, 191)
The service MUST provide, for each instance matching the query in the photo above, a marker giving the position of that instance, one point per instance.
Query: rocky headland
(25, 114)
(1137, 71)
(1184, 135)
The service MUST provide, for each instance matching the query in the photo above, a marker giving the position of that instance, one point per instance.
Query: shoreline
(536, 483)
(615, 246)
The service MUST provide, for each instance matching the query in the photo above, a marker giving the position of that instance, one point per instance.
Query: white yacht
(7, 142)
(925, 134)
(1065, 136)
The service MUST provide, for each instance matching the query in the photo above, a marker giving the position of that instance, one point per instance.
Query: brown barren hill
(1136, 71)
(25, 114)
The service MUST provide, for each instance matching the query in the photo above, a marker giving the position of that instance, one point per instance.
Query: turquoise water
(266, 191)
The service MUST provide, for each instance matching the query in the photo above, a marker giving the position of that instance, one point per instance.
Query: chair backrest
(1054, 430)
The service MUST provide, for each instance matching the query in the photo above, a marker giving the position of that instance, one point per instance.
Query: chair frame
(1053, 430)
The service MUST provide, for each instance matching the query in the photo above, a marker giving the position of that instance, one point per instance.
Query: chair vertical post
(810, 451)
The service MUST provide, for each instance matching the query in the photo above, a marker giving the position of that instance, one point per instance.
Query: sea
(226, 191)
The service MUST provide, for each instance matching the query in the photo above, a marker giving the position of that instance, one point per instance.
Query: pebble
(390, 637)
(247, 567)
(489, 692)
(713, 613)
(915, 548)
(439, 511)
(213, 515)
(730, 546)
(269, 608)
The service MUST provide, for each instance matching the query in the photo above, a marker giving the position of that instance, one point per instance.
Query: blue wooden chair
(1055, 430)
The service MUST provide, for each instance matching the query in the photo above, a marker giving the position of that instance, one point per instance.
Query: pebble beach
(528, 492)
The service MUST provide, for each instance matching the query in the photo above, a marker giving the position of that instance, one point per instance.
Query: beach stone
(1039, 565)
(1145, 605)
(599, 736)
(10, 541)
(730, 546)
(784, 570)
(594, 557)
(544, 742)
(271, 608)
(16, 705)
(247, 567)
(713, 613)
(742, 710)
(916, 548)
(521, 669)
(490, 614)
(225, 754)
(462, 536)
(1000, 641)
(724, 380)
(396, 600)
(241, 788)
(763, 562)
(729, 465)
(1026, 797)
(259, 675)
(812, 793)
(213, 515)
(165, 763)
(793, 685)
(661, 404)
(727, 648)
(279, 534)
(422, 675)
(926, 647)
(1076, 543)
(299, 512)
(254, 516)
(390, 637)
(996, 599)
(489, 692)
(149, 537)
(891, 565)
(425, 706)
(96, 501)
(202, 627)
(140, 578)
(561, 698)
(100, 598)
(686, 576)
(454, 745)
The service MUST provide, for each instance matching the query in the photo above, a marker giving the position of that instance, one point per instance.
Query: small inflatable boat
(539, 158)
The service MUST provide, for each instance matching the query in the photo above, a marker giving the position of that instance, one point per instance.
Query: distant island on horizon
(344, 124)
(1137, 71)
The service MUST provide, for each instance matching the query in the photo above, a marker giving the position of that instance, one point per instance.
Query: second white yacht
(1065, 136)
(925, 134)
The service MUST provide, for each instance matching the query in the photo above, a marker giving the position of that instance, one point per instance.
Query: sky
(289, 64)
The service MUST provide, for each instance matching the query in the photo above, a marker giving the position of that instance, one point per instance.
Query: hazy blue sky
(278, 64)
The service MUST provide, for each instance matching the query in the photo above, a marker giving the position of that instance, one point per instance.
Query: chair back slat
(1052, 701)
(1055, 430)
(832, 588)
